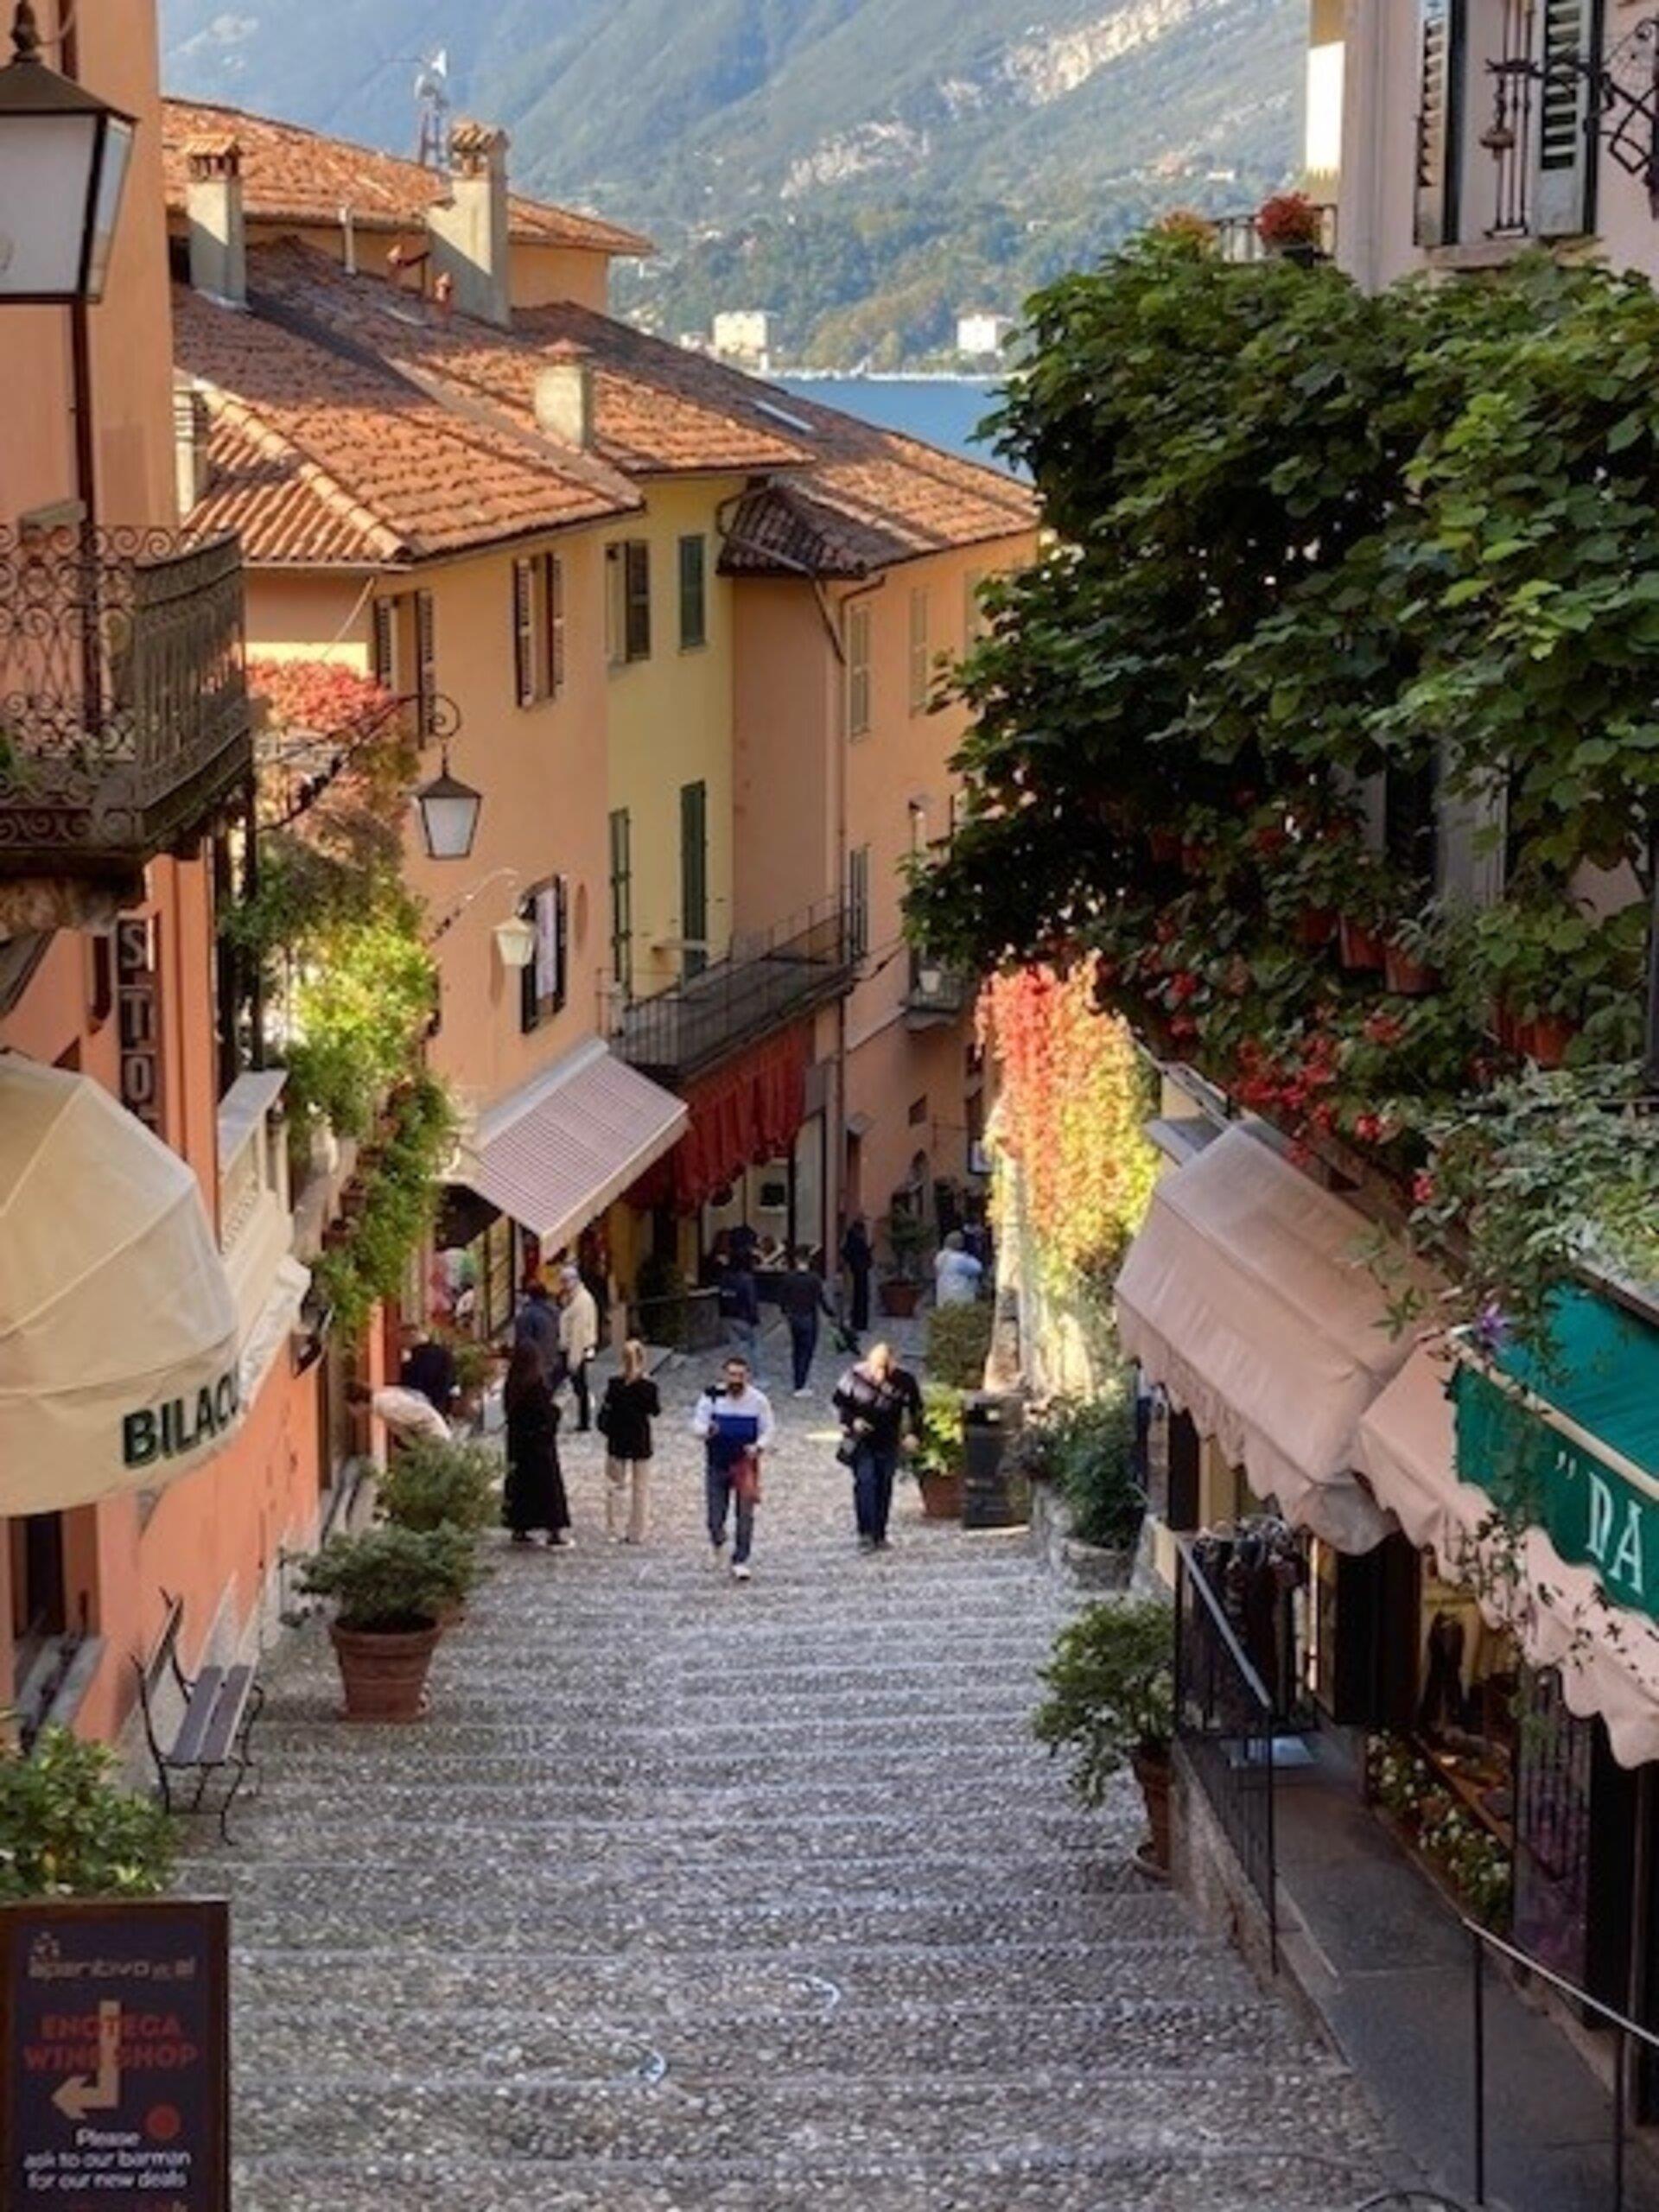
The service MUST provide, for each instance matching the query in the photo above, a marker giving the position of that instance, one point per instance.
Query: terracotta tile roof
(323, 456)
(294, 175)
(653, 413)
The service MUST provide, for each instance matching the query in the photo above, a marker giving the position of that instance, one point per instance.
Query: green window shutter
(637, 607)
(693, 876)
(1563, 192)
(622, 900)
(1440, 108)
(694, 593)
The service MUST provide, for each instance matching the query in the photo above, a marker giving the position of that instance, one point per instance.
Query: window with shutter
(544, 985)
(919, 655)
(524, 632)
(858, 672)
(637, 611)
(694, 593)
(386, 644)
(1569, 32)
(622, 900)
(426, 664)
(694, 879)
(1439, 121)
(858, 902)
(555, 580)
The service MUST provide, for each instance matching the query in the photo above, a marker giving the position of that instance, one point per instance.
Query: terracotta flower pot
(941, 1496)
(1409, 977)
(1315, 927)
(1152, 1772)
(385, 1675)
(1359, 947)
(1545, 1041)
(900, 1298)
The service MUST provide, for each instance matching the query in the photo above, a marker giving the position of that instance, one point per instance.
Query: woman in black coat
(534, 1497)
(630, 1407)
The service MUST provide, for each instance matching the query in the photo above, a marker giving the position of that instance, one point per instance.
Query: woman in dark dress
(630, 1407)
(534, 1497)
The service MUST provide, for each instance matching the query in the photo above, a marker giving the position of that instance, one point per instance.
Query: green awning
(1565, 1437)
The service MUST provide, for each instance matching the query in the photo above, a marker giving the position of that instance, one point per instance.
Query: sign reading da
(114, 2036)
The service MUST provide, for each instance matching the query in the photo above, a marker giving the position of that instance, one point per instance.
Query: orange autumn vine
(1073, 1102)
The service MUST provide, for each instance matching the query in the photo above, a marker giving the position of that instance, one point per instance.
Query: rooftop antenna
(432, 98)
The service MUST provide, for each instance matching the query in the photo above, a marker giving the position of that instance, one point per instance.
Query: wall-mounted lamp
(64, 155)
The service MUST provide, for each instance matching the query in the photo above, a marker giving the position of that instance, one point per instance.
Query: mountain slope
(733, 123)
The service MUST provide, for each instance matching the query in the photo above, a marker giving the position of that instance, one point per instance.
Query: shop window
(627, 601)
(538, 627)
(694, 593)
(545, 983)
(858, 671)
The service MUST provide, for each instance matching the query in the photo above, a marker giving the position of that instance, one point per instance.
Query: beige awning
(556, 1153)
(1608, 1656)
(1245, 1296)
(118, 1353)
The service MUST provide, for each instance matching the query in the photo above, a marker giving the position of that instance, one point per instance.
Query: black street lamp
(64, 155)
(449, 811)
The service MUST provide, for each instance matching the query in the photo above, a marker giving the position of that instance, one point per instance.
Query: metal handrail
(1236, 1650)
(765, 982)
(1481, 1941)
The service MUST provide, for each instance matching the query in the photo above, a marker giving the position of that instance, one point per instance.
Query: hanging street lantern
(515, 941)
(449, 811)
(64, 156)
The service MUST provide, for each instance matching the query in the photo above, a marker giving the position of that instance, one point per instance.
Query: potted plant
(1413, 956)
(1290, 225)
(1111, 1704)
(431, 1485)
(937, 1461)
(68, 1829)
(391, 1588)
(901, 1291)
(959, 1343)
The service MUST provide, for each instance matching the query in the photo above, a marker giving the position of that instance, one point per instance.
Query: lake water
(945, 414)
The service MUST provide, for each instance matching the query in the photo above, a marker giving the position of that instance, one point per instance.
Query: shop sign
(1595, 1516)
(114, 2038)
(138, 1014)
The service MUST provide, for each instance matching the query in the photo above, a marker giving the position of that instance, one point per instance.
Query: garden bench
(220, 1706)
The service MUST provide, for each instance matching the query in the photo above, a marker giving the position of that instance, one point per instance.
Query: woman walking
(534, 1496)
(629, 1406)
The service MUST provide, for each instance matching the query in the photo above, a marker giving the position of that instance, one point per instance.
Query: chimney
(564, 395)
(219, 245)
(469, 230)
(191, 427)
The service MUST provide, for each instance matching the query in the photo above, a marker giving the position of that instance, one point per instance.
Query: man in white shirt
(736, 1423)
(578, 1338)
(957, 1273)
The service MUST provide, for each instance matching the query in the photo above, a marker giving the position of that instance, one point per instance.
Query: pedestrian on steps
(803, 1299)
(858, 1257)
(578, 1339)
(534, 1496)
(880, 1407)
(630, 1405)
(735, 1420)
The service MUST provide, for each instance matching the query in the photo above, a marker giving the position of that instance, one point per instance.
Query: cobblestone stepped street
(693, 1896)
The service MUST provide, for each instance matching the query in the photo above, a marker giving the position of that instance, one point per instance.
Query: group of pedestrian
(554, 1347)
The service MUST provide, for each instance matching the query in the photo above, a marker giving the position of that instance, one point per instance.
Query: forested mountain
(863, 168)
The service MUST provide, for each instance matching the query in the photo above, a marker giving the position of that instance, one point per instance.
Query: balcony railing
(1238, 239)
(934, 995)
(803, 964)
(123, 703)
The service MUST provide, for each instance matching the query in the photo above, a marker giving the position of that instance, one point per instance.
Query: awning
(1244, 1296)
(1559, 1613)
(118, 1353)
(745, 1115)
(557, 1152)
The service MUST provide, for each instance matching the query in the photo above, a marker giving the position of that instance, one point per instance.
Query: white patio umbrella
(117, 1327)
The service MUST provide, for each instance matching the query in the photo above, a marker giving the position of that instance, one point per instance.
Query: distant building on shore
(743, 336)
(982, 335)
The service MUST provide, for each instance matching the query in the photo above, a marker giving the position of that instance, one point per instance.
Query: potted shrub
(959, 1343)
(68, 1829)
(1084, 1449)
(1411, 958)
(937, 1461)
(1111, 1704)
(431, 1485)
(901, 1290)
(391, 1589)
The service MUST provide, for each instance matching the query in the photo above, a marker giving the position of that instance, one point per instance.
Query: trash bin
(989, 1499)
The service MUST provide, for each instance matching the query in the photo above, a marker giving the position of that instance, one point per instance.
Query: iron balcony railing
(935, 993)
(1225, 1723)
(124, 700)
(766, 983)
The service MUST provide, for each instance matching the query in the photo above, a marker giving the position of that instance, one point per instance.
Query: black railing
(1482, 1940)
(1225, 1723)
(769, 982)
(688, 1321)
(124, 701)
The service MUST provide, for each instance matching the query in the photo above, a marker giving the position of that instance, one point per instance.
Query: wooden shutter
(694, 877)
(426, 663)
(622, 900)
(1563, 193)
(694, 617)
(1438, 121)
(554, 579)
(561, 943)
(637, 608)
(524, 632)
(386, 644)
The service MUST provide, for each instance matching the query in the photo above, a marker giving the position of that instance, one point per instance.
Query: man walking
(858, 1257)
(879, 1402)
(801, 1298)
(735, 1420)
(578, 1338)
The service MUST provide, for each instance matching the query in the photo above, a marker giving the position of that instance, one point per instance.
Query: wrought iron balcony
(934, 995)
(124, 702)
(762, 986)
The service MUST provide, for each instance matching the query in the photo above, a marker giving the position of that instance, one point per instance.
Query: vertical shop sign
(114, 2038)
(137, 1005)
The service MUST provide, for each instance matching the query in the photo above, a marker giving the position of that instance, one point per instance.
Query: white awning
(1608, 1656)
(556, 1153)
(118, 1355)
(1245, 1297)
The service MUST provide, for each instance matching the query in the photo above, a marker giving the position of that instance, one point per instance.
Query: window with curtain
(627, 574)
(545, 983)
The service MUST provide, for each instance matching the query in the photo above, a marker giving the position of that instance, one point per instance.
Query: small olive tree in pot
(69, 1829)
(392, 1589)
(1111, 1704)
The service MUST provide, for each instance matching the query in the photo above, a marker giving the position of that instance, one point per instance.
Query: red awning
(741, 1116)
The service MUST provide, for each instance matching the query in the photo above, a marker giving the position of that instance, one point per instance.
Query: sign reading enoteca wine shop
(114, 2036)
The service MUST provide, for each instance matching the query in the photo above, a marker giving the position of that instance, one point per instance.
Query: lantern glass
(64, 157)
(107, 204)
(449, 811)
(516, 941)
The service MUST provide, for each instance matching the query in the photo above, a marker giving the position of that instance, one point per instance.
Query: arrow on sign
(79, 2096)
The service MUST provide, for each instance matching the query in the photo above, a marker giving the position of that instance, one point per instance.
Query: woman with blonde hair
(629, 1406)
